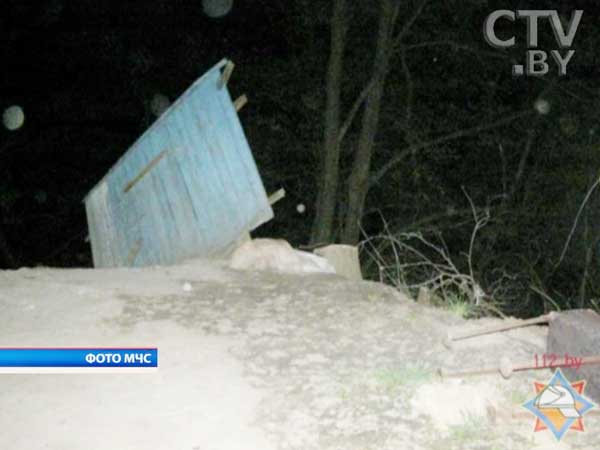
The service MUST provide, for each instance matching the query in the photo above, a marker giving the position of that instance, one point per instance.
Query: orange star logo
(559, 406)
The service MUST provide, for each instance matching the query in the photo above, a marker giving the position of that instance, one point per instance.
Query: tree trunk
(329, 174)
(358, 182)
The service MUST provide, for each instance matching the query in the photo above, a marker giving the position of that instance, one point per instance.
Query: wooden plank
(144, 171)
(134, 251)
(276, 196)
(240, 102)
(226, 74)
(195, 204)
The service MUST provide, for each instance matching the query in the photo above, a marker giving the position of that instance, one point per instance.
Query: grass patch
(518, 397)
(473, 428)
(412, 316)
(460, 306)
(411, 376)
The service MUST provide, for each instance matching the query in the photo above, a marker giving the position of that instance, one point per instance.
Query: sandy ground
(259, 361)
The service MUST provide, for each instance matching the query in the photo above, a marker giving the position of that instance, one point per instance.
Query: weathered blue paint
(201, 195)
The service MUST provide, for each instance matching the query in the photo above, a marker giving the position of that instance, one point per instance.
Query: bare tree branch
(447, 138)
(581, 208)
(456, 46)
(367, 89)
(409, 87)
(480, 222)
(408, 25)
(355, 107)
(522, 163)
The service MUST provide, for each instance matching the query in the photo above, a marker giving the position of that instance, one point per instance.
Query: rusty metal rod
(450, 339)
(506, 368)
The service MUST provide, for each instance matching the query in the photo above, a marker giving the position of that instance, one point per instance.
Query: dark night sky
(93, 50)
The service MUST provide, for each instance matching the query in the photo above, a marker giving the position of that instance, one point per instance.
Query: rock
(577, 333)
(344, 258)
(424, 297)
(277, 255)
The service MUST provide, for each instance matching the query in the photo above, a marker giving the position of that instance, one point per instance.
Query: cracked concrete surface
(257, 360)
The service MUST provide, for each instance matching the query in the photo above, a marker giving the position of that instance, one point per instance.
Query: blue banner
(78, 357)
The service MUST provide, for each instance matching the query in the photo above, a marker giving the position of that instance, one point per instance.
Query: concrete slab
(577, 333)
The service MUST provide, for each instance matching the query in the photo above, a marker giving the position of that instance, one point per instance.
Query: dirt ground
(260, 361)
